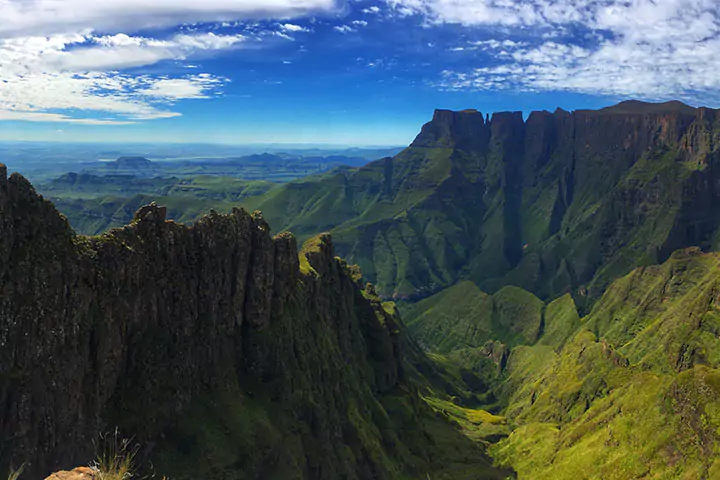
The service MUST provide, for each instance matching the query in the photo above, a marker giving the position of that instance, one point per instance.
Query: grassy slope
(462, 316)
(635, 393)
(382, 216)
(630, 391)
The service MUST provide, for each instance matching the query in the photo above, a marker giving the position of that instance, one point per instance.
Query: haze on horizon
(341, 72)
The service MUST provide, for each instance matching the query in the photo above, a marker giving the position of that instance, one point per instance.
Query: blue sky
(336, 72)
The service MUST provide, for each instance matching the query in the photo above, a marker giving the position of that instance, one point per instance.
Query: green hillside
(635, 392)
(632, 390)
(561, 202)
(464, 317)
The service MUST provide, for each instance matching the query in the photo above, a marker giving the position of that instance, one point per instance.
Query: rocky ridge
(213, 345)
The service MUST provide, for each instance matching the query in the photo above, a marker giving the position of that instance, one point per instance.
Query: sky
(341, 72)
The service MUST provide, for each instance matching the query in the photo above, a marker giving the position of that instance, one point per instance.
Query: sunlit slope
(462, 316)
(635, 393)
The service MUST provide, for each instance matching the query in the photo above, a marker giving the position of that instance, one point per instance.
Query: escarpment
(560, 202)
(213, 345)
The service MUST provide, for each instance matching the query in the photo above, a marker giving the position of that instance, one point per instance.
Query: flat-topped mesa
(640, 124)
(507, 123)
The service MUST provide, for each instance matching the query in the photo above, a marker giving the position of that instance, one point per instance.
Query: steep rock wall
(128, 329)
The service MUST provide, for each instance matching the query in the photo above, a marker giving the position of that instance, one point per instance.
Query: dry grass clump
(15, 473)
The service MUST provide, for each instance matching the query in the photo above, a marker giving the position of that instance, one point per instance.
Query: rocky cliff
(560, 202)
(217, 348)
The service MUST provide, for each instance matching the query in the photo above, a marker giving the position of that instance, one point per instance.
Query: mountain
(631, 390)
(215, 346)
(635, 390)
(463, 316)
(560, 202)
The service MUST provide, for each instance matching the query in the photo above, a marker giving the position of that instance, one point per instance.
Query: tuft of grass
(115, 457)
(16, 473)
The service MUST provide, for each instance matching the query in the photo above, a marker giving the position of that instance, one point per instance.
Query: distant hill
(131, 163)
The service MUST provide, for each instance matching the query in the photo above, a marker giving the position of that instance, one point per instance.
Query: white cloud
(182, 88)
(654, 49)
(54, 117)
(374, 10)
(343, 29)
(360, 23)
(45, 17)
(495, 12)
(290, 27)
(40, 76)
(54, 67)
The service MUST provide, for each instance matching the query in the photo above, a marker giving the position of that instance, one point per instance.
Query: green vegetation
(462, 316)
(536, 339)
(634, 393)
(632, 390)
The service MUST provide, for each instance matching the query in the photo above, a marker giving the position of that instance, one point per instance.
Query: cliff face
(614, 188)
(564, 201)
(212, 345)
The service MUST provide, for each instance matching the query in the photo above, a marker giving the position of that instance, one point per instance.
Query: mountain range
(557, 307)
(560, 202)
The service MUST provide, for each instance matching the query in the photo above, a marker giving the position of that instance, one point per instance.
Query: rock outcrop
(210, 345)
(80, 473)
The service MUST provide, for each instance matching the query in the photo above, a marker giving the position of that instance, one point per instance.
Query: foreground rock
(81, 473)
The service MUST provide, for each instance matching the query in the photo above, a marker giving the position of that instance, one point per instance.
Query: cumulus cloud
(374, 10)
(41, 75)
(654, 49)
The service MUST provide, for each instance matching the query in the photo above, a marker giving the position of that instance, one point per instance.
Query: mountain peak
(450, 128)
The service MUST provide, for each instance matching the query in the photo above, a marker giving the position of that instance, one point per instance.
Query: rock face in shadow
(139, 326)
